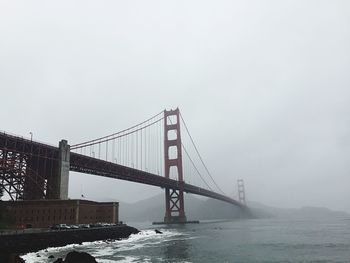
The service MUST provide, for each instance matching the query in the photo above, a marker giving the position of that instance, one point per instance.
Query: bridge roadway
(89, 165)
(85, 164)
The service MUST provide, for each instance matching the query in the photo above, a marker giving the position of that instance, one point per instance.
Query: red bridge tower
(174, 199)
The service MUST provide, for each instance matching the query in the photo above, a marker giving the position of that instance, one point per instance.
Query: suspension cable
(192, 161)
(196, 167)
(199, 155)
(107, 136)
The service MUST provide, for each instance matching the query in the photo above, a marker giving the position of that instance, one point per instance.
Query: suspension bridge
(153, 152)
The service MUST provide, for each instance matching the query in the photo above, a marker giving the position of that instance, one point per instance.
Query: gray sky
(263, 86)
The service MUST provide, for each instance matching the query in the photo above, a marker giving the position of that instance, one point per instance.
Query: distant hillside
(152, 209)
(261, 210)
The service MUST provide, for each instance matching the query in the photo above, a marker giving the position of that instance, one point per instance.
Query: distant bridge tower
(241, 191)
(174, 199)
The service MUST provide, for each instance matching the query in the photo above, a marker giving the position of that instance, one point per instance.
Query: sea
(244, 240)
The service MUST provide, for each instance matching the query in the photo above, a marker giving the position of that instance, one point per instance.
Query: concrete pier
(63, 169)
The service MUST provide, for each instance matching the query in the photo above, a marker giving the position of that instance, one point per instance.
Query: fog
(263, 86)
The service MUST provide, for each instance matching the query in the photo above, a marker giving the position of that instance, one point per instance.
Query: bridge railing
(9, 134)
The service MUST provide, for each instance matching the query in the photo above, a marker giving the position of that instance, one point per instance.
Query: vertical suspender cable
(106, 151)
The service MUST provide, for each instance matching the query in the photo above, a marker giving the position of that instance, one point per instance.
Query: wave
(109, 248)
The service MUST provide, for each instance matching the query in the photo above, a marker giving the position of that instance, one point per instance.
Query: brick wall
(45, 213)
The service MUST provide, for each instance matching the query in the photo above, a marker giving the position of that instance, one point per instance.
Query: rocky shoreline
(77, 257)
(11, 245)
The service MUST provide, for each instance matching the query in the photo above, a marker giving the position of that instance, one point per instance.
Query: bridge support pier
(59, 182)
(63, 169)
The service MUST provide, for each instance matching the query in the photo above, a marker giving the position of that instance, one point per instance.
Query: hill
(152, 209)
(198, 208)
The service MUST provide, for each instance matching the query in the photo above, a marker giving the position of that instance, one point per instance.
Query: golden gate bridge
(153, 152)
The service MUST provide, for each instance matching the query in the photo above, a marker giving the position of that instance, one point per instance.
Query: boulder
(158, 231)
(11, 258)
(18, 259)
(79, 257)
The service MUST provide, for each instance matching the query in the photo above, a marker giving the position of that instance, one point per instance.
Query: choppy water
(261, 240)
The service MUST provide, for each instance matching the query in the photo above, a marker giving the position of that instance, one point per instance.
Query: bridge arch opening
(172, 152)
(172, 119)
(174, 173)
(172, 135)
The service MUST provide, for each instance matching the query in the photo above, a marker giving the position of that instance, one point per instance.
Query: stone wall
(31, 242)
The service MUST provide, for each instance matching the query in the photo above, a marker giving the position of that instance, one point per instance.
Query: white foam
(127, 259)
(102, 248)
(147, 234)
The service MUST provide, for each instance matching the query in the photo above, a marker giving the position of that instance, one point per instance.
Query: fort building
(45, 213)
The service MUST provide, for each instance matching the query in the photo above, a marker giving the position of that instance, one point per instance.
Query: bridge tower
(174, 199)
(241, 191)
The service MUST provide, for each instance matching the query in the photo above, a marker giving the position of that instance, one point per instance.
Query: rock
(18, 259)
(51, 256)
(158, 232)
(59, 260)
(79, 257)
(13, 258)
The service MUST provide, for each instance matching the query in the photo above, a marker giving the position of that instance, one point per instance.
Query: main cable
(195, 167)
(200, 157)
(107, 136)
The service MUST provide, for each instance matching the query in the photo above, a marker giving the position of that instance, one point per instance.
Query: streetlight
(31, 136)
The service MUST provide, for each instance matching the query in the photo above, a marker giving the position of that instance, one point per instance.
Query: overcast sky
(263, 86)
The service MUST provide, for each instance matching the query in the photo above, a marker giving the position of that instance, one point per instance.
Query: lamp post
(31, 136)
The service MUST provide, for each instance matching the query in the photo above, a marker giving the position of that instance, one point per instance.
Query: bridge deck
(85, 164)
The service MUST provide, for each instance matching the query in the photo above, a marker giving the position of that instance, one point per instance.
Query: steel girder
(26, 167)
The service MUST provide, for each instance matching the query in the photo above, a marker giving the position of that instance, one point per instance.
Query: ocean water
(257, 240)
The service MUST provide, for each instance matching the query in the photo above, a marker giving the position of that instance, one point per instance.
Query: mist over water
(256, 240)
